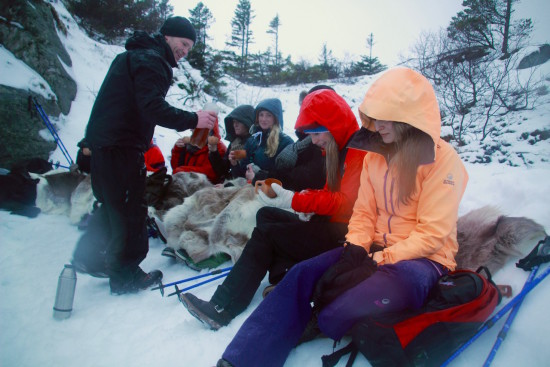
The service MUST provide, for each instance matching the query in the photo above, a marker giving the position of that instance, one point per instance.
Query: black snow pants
(118, 183)
(279, 241)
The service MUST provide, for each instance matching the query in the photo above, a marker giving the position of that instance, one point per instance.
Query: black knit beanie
(178, 27)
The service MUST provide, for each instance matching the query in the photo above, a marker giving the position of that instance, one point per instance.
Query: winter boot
(133, 281)
(96, 270)
(311, 331)
(205, 312)
(268, 290)
(223, 363)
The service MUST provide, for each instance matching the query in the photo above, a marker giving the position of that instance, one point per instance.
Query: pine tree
(241, 35)
(328, 63)
(368, 66)
(486, 25)
(201, 18)
(114, 18)
(274, 29)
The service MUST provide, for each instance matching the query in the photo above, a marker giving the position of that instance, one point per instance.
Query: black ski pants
(118, 183)
(279, 241)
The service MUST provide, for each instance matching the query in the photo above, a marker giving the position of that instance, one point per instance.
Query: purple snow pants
(273, 329)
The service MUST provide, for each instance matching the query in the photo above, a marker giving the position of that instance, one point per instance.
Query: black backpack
(456, 308)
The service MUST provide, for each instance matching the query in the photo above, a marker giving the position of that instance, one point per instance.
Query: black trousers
(118, 183)
(279, 241)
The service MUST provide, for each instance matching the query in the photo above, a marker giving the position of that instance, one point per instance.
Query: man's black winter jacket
(131, 100)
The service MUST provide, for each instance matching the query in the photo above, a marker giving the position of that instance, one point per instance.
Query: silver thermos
(65, 293)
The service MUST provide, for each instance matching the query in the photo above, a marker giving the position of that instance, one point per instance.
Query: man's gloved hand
(283, 199)
(354, 266)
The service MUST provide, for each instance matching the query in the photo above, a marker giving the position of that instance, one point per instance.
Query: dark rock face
(19, 127)
(29, 30)
(536, 58)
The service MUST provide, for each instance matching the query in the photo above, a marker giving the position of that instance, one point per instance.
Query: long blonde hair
(410, 145)
(273, 140)
(332, 162)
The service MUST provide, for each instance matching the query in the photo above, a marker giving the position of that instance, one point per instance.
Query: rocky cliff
(29, 29)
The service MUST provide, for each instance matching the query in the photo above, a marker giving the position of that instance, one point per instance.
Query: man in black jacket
(130, 102)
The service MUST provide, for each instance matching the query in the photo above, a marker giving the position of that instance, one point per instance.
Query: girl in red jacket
(295, 226)
(189, 158)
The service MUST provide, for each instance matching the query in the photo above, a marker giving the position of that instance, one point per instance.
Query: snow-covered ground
(146, 329)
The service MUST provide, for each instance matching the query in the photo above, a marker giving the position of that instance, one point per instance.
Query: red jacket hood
(326, 108)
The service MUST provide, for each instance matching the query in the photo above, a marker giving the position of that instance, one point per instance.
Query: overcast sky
(343, 24)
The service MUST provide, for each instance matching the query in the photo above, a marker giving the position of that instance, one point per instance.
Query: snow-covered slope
(145, 329)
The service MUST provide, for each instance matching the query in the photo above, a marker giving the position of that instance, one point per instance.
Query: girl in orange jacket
(411, 185)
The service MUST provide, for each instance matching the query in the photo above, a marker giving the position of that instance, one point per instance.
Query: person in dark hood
(237, 132)
(300, 165)
(129, 104)
(267, 141)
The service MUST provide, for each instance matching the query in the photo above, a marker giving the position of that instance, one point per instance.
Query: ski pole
(178, 291)
(54, 133)
(489, 323)
(57, 165)
(214, 272)
(50, 127)
(531, 262)
(504, 331)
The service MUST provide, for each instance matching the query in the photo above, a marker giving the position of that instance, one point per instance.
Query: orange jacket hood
(403, 95)
(326, 108)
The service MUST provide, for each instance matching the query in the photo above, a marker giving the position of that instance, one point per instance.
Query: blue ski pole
(178, 291)
(504, 331)
(493, 320)
(532, 262)
(50, 127)
(214, 272)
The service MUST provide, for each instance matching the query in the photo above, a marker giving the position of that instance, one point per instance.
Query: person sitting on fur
(295, 226)
(154, 160)
(267, 140)
(300, 165)
(189, 158)
(411, 186)
(237, 126)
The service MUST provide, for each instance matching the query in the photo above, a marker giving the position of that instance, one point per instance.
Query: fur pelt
(82, 200)
(183, 184)
(213, 220)
(488, 238)
(70, 193)
(55, 191)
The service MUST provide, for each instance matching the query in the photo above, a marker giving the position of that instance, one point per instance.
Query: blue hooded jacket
(256, 146)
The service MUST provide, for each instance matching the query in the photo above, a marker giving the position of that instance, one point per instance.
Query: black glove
(354, 266)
